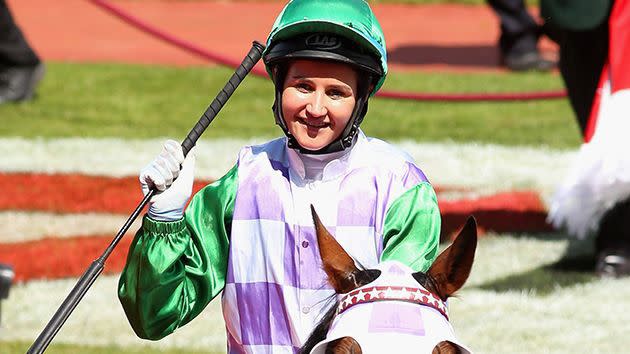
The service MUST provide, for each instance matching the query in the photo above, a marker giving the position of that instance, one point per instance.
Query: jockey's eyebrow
(341, 85)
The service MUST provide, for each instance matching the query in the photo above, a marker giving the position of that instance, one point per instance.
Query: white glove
(174, 186)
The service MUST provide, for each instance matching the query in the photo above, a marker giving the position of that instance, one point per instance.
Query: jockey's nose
(316, 107)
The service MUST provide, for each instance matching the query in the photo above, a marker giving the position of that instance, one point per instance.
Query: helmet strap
(279, 75)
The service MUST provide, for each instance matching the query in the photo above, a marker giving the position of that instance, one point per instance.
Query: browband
(418, 296)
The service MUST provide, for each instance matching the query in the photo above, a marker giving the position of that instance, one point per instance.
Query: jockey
(250, 234)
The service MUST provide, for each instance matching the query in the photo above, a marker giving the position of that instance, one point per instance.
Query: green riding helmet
(344, 31)
(352, 20)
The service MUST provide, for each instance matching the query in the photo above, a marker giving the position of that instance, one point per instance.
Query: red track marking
(75, 193)
(504, 212)
(72, 193)
(443, 37)
(54, 258)
(507, 212)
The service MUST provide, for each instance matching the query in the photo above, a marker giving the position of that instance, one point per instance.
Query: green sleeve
(411, 232)
(174, 269)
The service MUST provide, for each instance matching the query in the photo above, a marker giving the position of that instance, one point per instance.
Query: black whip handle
(254, 55)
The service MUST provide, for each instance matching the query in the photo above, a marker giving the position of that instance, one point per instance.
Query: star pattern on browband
(414, 295)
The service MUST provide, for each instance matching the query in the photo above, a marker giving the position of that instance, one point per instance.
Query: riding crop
(95, 269)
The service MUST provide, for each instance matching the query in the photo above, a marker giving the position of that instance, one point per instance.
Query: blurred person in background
(594, 199)
(20, 68)
(518, 42)
(580, 27)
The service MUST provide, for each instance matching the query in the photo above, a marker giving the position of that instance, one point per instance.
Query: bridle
(376, 311)
(416, 295)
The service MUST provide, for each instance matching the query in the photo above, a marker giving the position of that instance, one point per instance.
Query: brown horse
(390, 308)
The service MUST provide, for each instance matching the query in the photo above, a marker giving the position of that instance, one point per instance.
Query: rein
(414, 295)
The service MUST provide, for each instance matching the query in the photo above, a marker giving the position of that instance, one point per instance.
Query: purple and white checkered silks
(276, 290)
(392, 314)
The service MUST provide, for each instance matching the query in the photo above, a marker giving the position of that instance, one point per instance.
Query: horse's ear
(338, 265)
(452, 267)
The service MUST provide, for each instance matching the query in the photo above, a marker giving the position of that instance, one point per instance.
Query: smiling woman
(249, 235)
(318, 100)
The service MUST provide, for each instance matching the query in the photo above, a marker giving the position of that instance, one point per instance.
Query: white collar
(325, 166)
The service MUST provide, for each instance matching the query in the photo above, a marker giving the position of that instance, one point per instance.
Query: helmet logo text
(323, 41)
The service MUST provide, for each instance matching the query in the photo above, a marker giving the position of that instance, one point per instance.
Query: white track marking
(482, 167)
(32, 226)
(572, 318)
(98, 319)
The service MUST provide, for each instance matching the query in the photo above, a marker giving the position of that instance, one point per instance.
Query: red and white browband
(418, 296)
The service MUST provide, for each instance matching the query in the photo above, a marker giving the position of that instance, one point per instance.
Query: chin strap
(347, 137)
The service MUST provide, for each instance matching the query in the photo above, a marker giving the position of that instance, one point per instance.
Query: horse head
(391, 307)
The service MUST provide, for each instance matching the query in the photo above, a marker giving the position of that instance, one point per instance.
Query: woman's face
(317, 101)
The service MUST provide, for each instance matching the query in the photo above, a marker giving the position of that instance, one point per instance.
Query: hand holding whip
(95, 269)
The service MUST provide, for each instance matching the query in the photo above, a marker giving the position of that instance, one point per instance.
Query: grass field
(133, 101)
(525, 295)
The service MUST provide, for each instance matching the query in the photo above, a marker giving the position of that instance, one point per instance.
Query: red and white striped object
(64, 199)
(600, 176)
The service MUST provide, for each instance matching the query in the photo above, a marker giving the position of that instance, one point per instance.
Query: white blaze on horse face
(390, 326)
